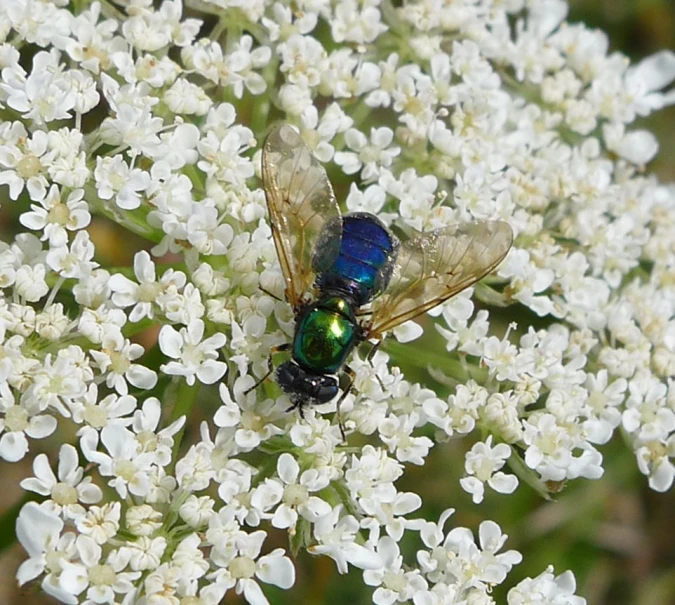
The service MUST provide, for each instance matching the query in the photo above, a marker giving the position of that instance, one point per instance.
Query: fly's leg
(270, 294)
(270, 366)
(297, 406)
(369, 359)
(351, 375)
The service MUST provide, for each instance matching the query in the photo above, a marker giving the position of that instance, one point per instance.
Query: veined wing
(300, 200)
(435, 266)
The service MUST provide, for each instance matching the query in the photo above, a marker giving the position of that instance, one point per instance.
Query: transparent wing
(435, 266)
(300, 201)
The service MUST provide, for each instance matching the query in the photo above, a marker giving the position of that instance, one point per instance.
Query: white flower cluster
(433, 113)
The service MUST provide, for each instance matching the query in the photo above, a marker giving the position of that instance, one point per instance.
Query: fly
(334, 265)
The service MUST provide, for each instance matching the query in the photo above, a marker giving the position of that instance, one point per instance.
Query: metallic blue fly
(333, 266)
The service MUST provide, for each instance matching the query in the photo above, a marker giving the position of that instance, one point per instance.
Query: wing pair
(430, 268)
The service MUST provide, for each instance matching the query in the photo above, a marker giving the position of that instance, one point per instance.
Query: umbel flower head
(152, 115)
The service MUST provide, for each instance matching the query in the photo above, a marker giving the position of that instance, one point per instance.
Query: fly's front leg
(297, 405)
(351, 375)
(270, 365)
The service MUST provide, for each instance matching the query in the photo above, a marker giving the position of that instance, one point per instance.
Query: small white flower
(481, 463)
(75, 262)
(114, 178)
(100, 578)
(336, 538)
(187, 98)
(45, 94)
(19, 422)
(222, 155)
(348, 24)
(293, 493)
(145, 553)
(38, 530)
(148, 290)
(128, 468)
(462, 561)
(242, 565)
(252, 421)
(54, 217)
(115, 360)
(371, 155)
(68, 490)
(96, 414)
(393, 583)
(546, 588)
(24, 160)
(205, 231)
(396, 432)
(197, 358)
(655, 459)
(190, 559)
(197, 511)
(142, 520)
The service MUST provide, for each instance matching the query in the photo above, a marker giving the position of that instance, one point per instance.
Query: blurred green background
(616, 535)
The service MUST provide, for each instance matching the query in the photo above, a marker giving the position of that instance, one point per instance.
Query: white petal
(43, 471)
(316, 507)
(491, 536)
(389, 551)
(41, 426)
(89, 493)
(89, 551)
(503, 483)
(406, 503)
(252, 592)
(362, 557)
(285, 517)
(288, 469)
(28, 570)
(141, 377)
(211, 371)
(73, 578)
(384, 596)
(217, 341)
(408, 331)
(474, 487)
(144, 268)
(276, 569)
(13, 446)
(654, 72)
(227, 415)
(35, 485)
(117, 440)
(170, 342)
(124, 288)
(37, 527)
(662, 476)
(195, 331)
(68, 462)
(638, 147)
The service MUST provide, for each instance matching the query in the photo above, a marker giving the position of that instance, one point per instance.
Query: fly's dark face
(304, 386)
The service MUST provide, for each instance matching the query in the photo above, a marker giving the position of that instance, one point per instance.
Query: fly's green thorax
(325, 335)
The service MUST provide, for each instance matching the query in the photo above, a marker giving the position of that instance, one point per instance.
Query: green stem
(186, 397)
(447, 362)
(527, 475)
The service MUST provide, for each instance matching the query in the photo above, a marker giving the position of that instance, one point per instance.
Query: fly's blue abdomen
(363, 263)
